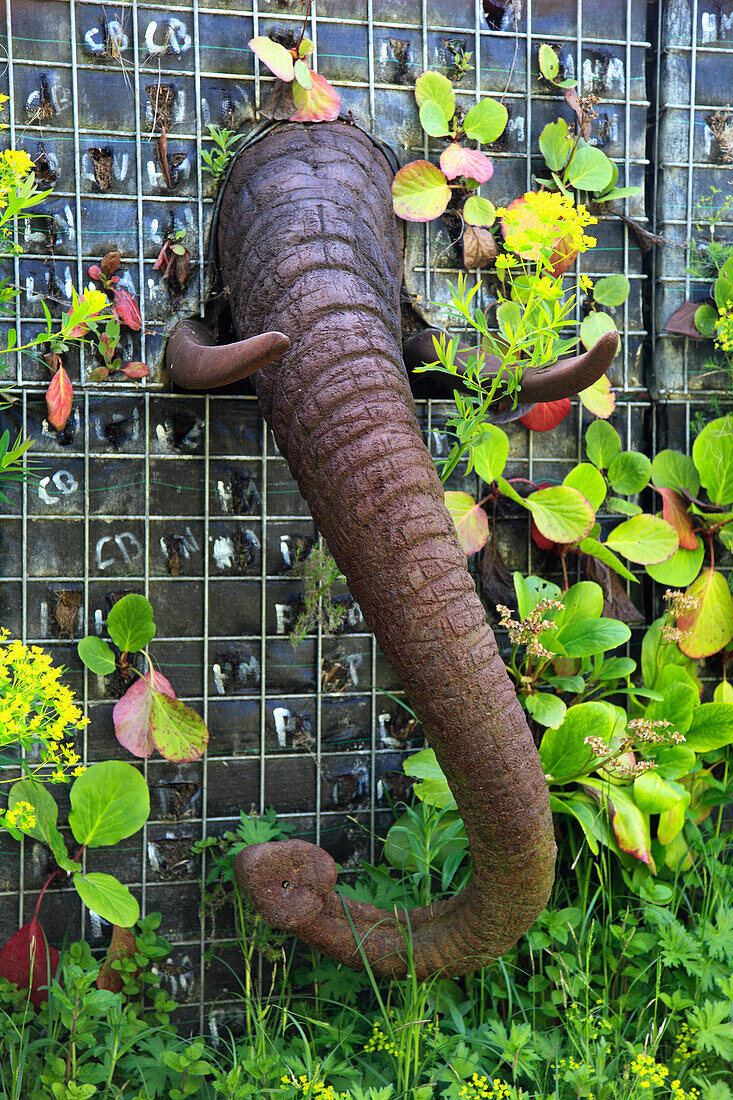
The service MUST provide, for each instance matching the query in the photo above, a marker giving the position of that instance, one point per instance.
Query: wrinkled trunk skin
(309, 246)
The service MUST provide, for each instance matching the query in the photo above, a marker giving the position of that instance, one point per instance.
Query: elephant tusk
(563, 379)
(196, 363)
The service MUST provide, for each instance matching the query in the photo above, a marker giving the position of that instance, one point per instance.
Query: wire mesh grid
(184, 498)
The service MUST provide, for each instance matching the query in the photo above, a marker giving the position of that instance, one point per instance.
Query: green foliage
(320, 573)
(217, 159)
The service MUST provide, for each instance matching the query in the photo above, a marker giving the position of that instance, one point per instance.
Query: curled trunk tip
(195, 362)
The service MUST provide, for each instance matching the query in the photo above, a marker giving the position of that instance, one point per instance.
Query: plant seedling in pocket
(148, 716)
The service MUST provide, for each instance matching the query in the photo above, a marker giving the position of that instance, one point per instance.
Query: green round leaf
(589, 482)
(107, 897)
(602, 442)
(178, 732)
(583, 600)
(673, 470)
(644, 539)
(547, 710)
(44, 804)
(433, 120)
(555, 144)
(711, 727)
(611, 291)
(681, 569)
(654, 794)
(478, 211)
(674, 761)
(549, 62)
(594, 326)
(712, 452)
(706, 319)
(563, 751)
(130, 623)
(485, 121)
(591, 170)
(434, 86)
(584, 639)
(561, 513)
(490, 456)
(420, 192)
(629, 472)
(109, 802)
(96, 655)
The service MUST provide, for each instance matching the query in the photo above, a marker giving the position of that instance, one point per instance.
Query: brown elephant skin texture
(309, 247)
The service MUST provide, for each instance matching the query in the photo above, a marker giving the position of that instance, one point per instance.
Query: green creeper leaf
(681, 569)
(109, 802)
(611, 291)
(433, 120)
(532, 590)
(602, 443)
(591, 169)
(130, 623)
(623, 507)
(674, 761)
(478, 211)
(644, 539)
(96, 655)
(712, 452)
(709, 627)
(585, 638)
(673, 470)
(485, 121)
(561, 513)
(594, 326)
(583, 600)
(47, 812)
(472, 523)
(629, 472)
(546, 709)
(653, 794)
(432, 786)
(302, 74)
(549, 63)
(586, 479)
(711, 727)
(490, 456)
(178, 732)
(706, 318)
(107, 897)
(596, 549)
(420, 192)
(438, 88)
(555, 144)
(563, 751)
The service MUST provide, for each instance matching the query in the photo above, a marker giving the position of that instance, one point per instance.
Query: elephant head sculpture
(311, 258)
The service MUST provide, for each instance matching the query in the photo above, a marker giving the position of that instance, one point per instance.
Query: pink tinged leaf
(321, 103)
(59, 399)
(546, 415)
(29, 962)
(459, 161)
(277, 59)
(709, 628)
(674, 510)
(95, 272)
(126, 309)
(420, 192)
(599, 398)
(540, 540)
(472, 523)
(631, 828)
(100, 374)
(136, 370)
(178, 732)
(132, 713)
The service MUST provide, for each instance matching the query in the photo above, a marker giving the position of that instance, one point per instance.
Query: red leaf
(135, 370)
(674, 510)
(126, 309)
(539, 539)
(15, 961)
(131, 714)
(682, 321)
(122, 946)
(459, 161)
(546, 415)
(95, 272)
(321, 103)
(59, 399)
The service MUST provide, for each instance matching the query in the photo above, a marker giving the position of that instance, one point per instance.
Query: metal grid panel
(184, 498)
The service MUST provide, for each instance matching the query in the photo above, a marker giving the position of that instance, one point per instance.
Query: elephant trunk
(309, 246)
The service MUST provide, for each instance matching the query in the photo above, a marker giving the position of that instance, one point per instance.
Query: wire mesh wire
(185, 498)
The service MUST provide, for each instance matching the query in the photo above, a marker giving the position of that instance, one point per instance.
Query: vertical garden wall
(184, 497)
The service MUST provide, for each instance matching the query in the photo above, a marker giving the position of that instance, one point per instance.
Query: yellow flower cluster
(724, 328)
(379, 1040)
(684, 1045)
(481, 1088)
(22, 815)
(649, 1071)
(678, 1093)
(570, 1063)
(37, 712)
(314, 1088)
(546, 222)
